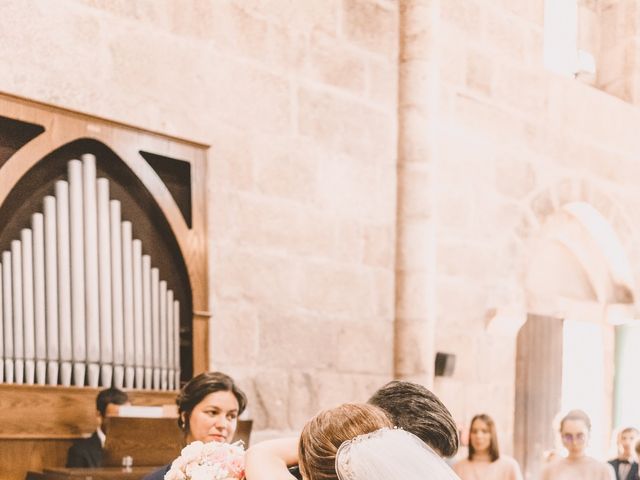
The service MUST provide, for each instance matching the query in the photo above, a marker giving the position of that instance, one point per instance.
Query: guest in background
(208, 409)
(87, 453)
(550, 456)
(625, 465)
(484, 461)
(575, 428)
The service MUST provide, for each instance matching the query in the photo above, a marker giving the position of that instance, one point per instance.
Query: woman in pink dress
(484, 461)
(575, 428)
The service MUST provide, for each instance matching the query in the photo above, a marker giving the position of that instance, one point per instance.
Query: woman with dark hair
(484, 461)
(208, 409)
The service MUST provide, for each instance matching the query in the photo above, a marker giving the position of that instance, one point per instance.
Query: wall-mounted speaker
(445, 364)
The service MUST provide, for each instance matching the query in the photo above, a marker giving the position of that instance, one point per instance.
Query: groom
(417, 410)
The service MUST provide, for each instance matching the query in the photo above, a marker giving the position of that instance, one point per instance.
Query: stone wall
(299, 107)
(516, 143)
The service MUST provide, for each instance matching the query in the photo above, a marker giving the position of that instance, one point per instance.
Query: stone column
(419, 87)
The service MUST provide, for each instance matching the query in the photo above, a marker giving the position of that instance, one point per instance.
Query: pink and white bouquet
(208, 461)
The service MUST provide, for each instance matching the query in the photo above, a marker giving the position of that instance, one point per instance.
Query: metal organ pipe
(26, 240)
(37, 225)
(104, 266)
(7, 314)
(138, 314)
(51, 288)
(18, 327)
(64, 282)
(127, 305)
(116, 293)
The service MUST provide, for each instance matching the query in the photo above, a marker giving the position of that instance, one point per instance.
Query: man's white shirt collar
(101, 436)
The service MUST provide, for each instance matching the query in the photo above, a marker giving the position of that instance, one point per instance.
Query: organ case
(103, 262)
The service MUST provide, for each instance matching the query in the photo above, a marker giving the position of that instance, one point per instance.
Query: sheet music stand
(149, 441)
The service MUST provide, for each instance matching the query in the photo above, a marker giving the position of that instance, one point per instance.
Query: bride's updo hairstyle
(390, 454)
(324, 433)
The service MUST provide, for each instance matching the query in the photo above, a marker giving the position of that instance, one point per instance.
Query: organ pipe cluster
(80, 302)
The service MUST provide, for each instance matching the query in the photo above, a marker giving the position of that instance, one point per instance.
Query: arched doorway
(577, 279)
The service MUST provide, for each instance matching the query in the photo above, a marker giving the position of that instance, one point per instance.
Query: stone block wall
(299, 107)
(516, 143)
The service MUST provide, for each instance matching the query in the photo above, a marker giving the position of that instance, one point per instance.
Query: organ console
(103, 271)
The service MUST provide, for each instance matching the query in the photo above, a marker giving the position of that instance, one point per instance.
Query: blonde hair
(576, 415)
(324, 433)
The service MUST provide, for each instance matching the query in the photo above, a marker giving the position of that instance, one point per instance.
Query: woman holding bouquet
(208, 409)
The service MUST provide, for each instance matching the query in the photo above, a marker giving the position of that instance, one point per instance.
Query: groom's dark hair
(415, 409)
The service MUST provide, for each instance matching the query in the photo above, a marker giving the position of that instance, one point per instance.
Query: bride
(349, 442)
(389, 454)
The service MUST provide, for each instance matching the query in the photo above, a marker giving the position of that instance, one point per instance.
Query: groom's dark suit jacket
(633, 473)
(86, 453)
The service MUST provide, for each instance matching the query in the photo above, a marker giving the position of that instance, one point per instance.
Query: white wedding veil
(390, 454)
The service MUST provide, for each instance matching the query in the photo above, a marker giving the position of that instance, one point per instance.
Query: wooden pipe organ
(79, 298)
(103, 272)
(102, 254)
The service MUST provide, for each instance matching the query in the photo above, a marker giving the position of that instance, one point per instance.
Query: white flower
(175, 474)
(178, 464)
(191, 452)
(203, 472)
(209, 461)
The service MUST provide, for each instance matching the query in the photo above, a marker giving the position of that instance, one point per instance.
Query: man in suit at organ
(87, 453)
(626, 464)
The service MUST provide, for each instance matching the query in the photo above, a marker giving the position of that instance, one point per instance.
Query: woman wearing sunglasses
(574, 429)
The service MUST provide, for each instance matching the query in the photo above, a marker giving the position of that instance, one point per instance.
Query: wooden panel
(39, 424)
(58, 412)
(148, 441)
(135, 473)
(243, 432)
(538, 390)
(200, 342)
(19, 456)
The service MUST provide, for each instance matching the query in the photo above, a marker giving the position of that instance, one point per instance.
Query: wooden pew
(38, 424)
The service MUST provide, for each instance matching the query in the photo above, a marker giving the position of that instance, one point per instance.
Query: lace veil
(390, 454)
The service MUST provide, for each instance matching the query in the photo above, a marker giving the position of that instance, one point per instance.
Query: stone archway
(575, 265)
(602, 223)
